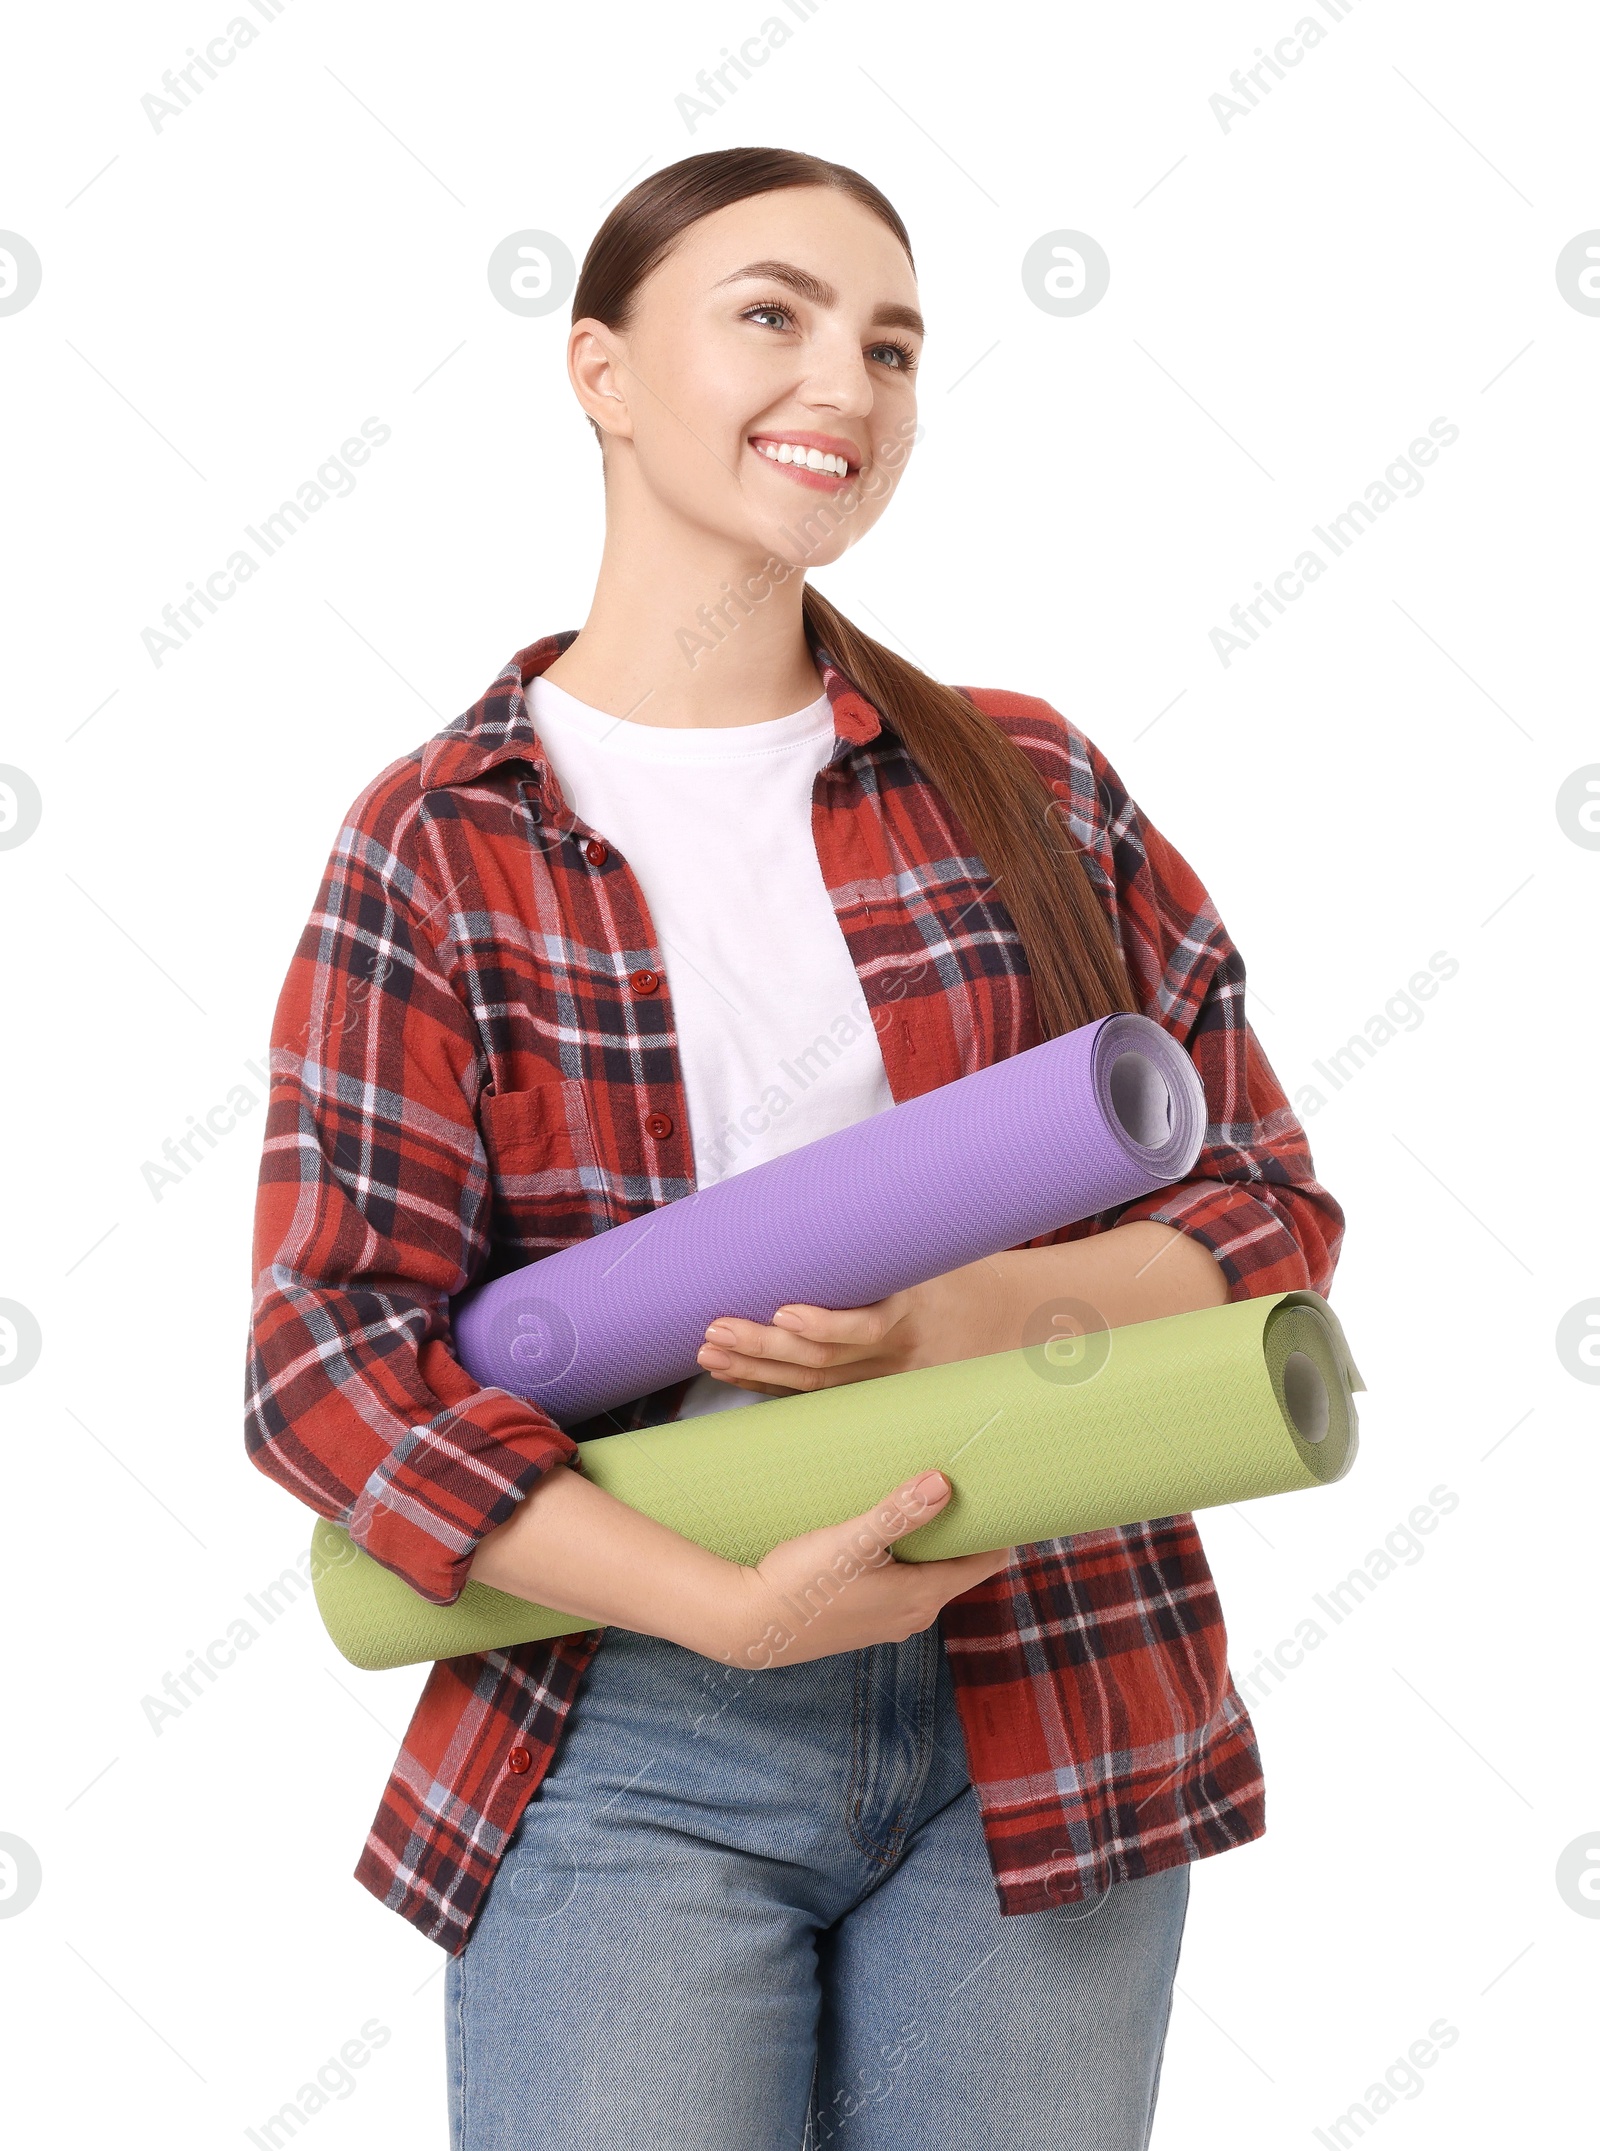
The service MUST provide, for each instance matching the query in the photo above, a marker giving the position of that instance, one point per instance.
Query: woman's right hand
(840, 1588)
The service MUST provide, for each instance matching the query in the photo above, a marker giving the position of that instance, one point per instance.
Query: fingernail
(931, 1482)
(719, 1335)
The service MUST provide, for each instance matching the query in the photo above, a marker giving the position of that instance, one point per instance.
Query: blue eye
(907, 356)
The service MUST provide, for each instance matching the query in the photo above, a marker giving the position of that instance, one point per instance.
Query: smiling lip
(828, 444)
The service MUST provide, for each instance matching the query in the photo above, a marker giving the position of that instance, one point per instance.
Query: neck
(686, 628)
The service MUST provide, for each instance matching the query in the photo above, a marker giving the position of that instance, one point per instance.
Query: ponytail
(1015, 822)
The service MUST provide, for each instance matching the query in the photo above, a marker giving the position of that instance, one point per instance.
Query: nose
(838, 379)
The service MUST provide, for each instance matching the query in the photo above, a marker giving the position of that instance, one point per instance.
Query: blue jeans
(753, 1911)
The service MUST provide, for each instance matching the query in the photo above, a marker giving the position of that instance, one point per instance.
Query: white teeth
(812, 459)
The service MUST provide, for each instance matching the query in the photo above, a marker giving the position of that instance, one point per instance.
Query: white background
(1292, 301)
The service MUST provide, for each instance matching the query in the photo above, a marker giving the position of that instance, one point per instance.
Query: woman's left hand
(961, 1315)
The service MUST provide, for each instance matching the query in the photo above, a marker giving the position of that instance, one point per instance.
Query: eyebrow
(887, 315)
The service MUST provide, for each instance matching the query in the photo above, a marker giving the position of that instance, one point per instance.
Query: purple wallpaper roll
(1080, 1124)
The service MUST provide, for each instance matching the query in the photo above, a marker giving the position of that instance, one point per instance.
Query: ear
(597, 370)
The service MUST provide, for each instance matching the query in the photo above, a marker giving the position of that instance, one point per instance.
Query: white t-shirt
(775, 1040)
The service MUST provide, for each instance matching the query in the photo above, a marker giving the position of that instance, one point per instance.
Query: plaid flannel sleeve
(372, 1210)
(1253, 1198)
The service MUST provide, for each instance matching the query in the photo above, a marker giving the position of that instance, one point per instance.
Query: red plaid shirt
(474, 1064)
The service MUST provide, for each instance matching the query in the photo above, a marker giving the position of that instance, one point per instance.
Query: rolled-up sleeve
(1253, 1198)
(372, 1210)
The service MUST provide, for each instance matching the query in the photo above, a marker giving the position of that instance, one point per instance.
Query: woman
(738, 1866)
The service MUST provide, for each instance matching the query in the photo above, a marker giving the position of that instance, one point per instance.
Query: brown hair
(989, 783)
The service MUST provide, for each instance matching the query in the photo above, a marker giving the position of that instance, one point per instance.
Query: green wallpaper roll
(1117, 1427)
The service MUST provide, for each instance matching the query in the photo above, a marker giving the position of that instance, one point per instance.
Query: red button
(1061, 789)
(518, 1761)
(597, 851)
(644, 981)
(659, 1124)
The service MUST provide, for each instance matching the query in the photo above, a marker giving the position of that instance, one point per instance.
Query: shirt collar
(499, 726)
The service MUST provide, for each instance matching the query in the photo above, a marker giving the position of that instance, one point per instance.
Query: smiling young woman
(693, 885)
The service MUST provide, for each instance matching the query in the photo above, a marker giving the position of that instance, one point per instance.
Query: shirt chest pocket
(538, 1145)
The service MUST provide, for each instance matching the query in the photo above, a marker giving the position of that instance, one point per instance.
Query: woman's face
(787, 321)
